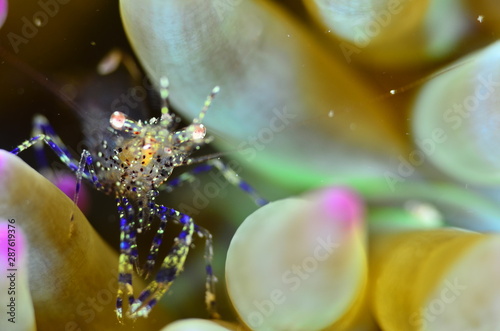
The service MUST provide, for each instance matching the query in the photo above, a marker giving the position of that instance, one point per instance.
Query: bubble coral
(300, 105)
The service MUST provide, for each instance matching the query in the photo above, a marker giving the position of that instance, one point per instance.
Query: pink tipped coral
(3, 11)
(294, 255)
(14, 287)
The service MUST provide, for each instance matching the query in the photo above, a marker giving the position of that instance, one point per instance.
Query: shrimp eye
(198, 132)
(117, 120)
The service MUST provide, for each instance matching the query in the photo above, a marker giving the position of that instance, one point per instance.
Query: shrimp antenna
(420, 81)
